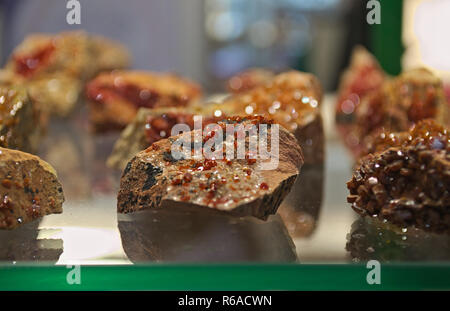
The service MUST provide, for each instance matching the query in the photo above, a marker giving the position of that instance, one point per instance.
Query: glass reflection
(28, 243)
(301, 208)
(371, 238)
(190, 235)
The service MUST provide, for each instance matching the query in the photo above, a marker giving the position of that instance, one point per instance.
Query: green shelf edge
(226, 277)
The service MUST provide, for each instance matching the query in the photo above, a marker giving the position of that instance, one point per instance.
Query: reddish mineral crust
(292, 99)
(154, 178)
(363, 76)
(398, 104)
(114, 98)
(413, 96)
(54, 67)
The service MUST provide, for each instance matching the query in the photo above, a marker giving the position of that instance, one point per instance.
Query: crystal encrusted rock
(155, 178)
(19, 121)
(29, 188)
(115, 98)
(409, 182)
(292, 99)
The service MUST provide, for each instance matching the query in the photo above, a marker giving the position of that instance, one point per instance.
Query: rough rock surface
(107, 54)
(408, 183)
(400, 102)
(248, 79)
(115, 98)
(395, 106)
(29, 188)
(73, 53)
(54, 67)
(19, 121)
(154, 178)
(292, 99)
(149, 126)
(131, 141)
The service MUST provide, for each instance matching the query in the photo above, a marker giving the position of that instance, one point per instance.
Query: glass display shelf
(315, 241)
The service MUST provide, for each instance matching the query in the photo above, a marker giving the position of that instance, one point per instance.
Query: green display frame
(226, 277)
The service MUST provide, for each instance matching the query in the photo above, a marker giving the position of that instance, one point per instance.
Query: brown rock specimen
(409, 182)
(149, 126)
(114, 98)
(155, 178)
(363, 76)
(291, 99)
(282, 99)
(397, 105)
(19, 121)
(54, 67)
(29, 188)
(412, 96)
